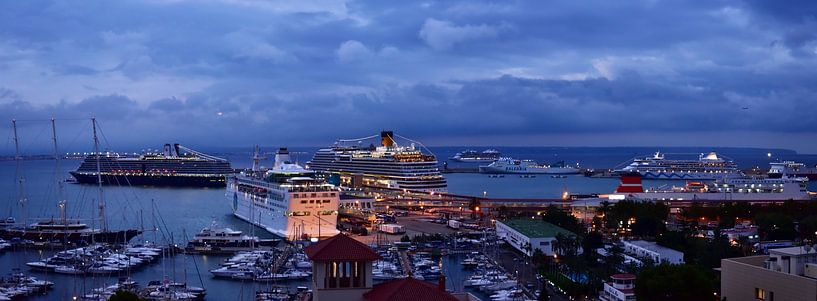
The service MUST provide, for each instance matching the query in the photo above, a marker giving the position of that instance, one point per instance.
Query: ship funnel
(281, 158)
(630, 183)
(387, 138)
(167, 152)
(176, 152)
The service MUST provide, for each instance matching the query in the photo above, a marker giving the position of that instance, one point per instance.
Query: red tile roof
(407, 289)
(340, 247)
(623, 276)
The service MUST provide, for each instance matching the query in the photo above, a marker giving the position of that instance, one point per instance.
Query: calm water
(184, 211)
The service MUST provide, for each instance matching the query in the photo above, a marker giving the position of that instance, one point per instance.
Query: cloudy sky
(303, 73)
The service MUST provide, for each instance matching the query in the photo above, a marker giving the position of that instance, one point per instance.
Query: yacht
(287, 200)
(389, 165)
(213, 240)
(510, 165)
(472, 156)
(708, 167)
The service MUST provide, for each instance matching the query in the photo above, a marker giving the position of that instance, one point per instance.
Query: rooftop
(535, 228)
(793, 251)
(340, 247)
(650, 246)
(407, 289)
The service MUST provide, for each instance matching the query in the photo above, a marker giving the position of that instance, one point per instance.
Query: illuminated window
(760, 294)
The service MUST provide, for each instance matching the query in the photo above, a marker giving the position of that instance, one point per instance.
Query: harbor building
(784, 274)
(342, 270)
(621, 287)
(528, 235)
(640, 250)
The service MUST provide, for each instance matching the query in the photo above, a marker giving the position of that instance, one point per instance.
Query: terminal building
(528, 235)
(784, 274)
(640, 250)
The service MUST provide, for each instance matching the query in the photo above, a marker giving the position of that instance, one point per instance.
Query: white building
(784, 274)
(645, 249)
(620, 288)
(537, 234)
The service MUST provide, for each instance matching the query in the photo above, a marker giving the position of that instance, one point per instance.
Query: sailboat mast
(103, 221)
(60, 195)
(20, 178)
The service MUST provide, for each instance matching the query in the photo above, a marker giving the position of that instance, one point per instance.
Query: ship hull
(551, 171)
(155, 180)
(112, 237)
(687, 176)
(720, 197)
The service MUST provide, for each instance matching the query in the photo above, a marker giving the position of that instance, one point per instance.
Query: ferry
(707, 167)
(472, 156)
(388, 166)
(175, 166)
(791, 168)
(724, 190)
(510, 165)
(214, 240)
(287, 200)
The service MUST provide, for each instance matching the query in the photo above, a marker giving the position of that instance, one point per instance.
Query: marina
(203, 205)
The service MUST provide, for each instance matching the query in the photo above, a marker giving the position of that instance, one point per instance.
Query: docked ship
(510, 165)
(387, 166)
(286, 200)
(172, 167)
(722, 190)
(472, 156)
(707, 167)
(791, 168)
(69, 231)
(214, 240)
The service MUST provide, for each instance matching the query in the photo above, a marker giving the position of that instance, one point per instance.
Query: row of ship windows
(314, 194)
(315, 201)
(307, 213)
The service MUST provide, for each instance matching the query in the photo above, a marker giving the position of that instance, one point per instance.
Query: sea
(181, 212)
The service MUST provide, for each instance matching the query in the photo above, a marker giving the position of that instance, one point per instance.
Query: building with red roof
(620, 288)
(342, 270)
(408, 289)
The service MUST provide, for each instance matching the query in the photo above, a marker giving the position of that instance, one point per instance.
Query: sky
(520, 73)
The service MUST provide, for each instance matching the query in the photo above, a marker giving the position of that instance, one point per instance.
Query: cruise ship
(510, 165)
(707, 167)
(286, 200)
(388, 165)
(723, 190)
(472, 156)
(169, 168)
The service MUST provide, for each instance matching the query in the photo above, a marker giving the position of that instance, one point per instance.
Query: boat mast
(99, 180)
(20, 178)
(60, 195)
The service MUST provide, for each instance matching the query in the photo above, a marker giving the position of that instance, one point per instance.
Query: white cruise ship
(707, 167)
(472, 156)
(510, 165)
(287, 200)
(387, 165)
(726, 189)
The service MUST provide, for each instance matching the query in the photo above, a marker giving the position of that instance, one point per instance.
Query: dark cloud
(304, 73)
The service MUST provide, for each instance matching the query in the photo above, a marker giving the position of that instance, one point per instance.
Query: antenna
(21, 179)
(99, 179)
(60, 194)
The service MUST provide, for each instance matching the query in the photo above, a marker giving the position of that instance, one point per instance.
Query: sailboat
(64, 230)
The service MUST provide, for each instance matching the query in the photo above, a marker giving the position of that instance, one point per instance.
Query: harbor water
(181, 212)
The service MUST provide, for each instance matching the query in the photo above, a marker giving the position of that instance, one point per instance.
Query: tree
(405, 238)
(673, 283)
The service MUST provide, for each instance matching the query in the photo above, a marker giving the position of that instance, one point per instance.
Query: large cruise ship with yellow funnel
(386, 166)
